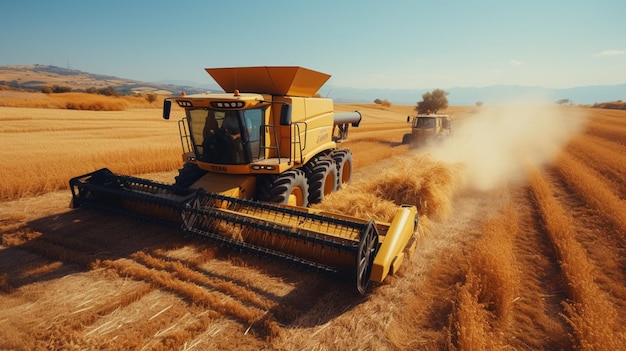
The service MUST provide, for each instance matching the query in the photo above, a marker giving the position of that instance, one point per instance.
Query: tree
(151, 97)
(385, 102)
(108, 91)
(563, 101)
(479, 103)
(61, 89)
(433, 101)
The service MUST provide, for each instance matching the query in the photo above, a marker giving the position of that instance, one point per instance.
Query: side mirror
(167, 108)
(285, 115)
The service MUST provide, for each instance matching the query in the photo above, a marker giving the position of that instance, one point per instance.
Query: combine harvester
(427, 128)
(254, 158)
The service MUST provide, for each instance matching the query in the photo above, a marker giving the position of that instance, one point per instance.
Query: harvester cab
(267, 129)
(254, 158)
(427, 127)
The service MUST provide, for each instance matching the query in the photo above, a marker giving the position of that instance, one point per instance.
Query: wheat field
(521, 242)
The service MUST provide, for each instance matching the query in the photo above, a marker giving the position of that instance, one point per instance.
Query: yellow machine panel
(274, 80)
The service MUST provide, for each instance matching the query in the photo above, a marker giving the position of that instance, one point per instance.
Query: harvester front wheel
(365, 259)
(188, 175)
(407, 139)
(289, 188)
(322, 176)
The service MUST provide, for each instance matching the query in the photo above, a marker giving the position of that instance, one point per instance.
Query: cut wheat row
(603, 156)
(484, 302)
(594, 320)
(589, 184)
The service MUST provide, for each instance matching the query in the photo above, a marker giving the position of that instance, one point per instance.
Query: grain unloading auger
(251, 191)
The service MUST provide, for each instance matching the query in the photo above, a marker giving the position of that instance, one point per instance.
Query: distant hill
(469, 96)
(33, 77)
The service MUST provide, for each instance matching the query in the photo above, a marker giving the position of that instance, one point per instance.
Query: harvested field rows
(529, 255)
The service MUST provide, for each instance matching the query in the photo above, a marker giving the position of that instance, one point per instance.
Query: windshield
(226, 137)
(425, 123)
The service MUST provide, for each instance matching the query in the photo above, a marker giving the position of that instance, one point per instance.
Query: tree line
(432, 102)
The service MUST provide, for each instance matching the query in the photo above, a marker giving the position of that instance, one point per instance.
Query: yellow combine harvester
(254, 158)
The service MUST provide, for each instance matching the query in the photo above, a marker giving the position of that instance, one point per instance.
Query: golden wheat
(43, 149)
(470, 320)
(484, 304)
(413, 180)
(192, 275)
(616, 134)
(76, 101)
(460, 293)
(603, 156)
(593, 318)
(590, 185)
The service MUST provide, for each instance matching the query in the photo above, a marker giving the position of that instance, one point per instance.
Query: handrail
(185, 136)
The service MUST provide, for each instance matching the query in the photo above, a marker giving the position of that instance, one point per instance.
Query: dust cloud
(496, 143)
(490, 147)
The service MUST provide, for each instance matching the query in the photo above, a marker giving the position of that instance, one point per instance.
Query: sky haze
(362, 44)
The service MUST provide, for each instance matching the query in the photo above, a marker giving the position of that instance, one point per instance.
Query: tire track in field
(86, 253)
(537, 324)
(222, 289)
(513, 287)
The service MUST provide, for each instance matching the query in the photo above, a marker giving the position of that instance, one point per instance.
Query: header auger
(254, 158)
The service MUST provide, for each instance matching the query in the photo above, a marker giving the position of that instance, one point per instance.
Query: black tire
(368, 246)
(407, 139)
(188, 175)
(264, 187)
(323, 178)
(343, 161)
(278, 189)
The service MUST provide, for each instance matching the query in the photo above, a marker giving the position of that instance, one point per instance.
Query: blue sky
(362, 44)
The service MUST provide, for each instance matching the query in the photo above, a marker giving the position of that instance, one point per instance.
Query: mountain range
(33, 77)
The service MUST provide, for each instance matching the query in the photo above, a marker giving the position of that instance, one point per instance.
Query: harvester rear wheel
(323, 178)
(188, 175)
(290, 188)
(343, 160)
(365, 259)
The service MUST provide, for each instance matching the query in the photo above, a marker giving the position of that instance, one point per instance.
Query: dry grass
(75, 101)
(492, 270)
(605, 157)
(591, 186)
(594, 319)
(483, 306)
(413, 180)
(43, 149)
(616, 105)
